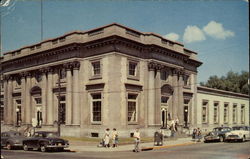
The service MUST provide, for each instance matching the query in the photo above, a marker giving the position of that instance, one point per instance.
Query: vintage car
(45, 140)
(238, 133)
(12, 139)
(218, 134)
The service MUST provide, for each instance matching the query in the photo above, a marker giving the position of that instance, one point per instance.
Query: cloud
(172, 36)
(217, 31)
(193, 34)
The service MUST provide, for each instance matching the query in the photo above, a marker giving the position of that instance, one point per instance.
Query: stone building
(112, 76)
(218, 107)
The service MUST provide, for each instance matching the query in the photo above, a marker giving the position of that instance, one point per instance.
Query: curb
(143, 148)
(167, 146)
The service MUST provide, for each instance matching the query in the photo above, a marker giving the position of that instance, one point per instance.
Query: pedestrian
(106, 138)
(115, 137)
(194, 133)
(199, 135)
(172, 128)
(176, 123)
(137, 137)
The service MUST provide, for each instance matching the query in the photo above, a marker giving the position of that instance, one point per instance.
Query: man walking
(137, 140)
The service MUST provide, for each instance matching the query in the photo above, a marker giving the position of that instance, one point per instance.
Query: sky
(216, 30)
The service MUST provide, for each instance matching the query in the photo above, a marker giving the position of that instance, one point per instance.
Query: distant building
(112, 76)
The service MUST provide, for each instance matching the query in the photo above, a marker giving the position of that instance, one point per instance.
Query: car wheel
(243, 139)
(221, 139)
(60, 149)
(43, 148)
(25, 147)
(8, 146)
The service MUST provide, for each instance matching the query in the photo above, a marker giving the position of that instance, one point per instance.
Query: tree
(233, 82)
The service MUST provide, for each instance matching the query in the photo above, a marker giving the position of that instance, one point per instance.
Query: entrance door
(164, 118)
(185, 115)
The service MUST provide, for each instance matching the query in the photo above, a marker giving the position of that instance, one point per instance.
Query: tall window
(186, 80)
(204, 111)
(132, 107)
(164, 75)
(226, 113)
(216, 112)
(96, 107)
(62, 112)
(18, 112)
(235, 113)
(96, 68)
(1, 113)
(242, 113)
(132, 68)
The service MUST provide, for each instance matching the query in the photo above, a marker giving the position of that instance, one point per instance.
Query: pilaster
(151, 95)
(68, 94)
(49, 97)
(76, 106)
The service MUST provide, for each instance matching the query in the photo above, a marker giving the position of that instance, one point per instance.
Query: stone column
(158, 96)
(76, 106)
(151, 94)
(175, 94)
(23, 97)
(44, 95)
(180, 98)
(68, 94)
(28, 108)
(49, 110)
(5, 97)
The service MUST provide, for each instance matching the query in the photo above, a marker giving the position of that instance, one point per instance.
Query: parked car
(218, 134)
(12, 139)
(45, 140)
(238, 133)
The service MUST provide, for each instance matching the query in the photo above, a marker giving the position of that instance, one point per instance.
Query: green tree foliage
(233, 82)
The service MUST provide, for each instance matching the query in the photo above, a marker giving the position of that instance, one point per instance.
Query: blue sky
(217, 30)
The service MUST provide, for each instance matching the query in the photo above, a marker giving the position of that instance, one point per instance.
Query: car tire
(8, 146)
(243, 139)
(43, 148)
(25, 147)
(221, 139)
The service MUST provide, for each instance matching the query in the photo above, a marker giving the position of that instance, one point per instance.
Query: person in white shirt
(106, 138)
(115, 137)
(137, 140)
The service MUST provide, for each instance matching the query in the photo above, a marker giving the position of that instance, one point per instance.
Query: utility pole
(59, 103)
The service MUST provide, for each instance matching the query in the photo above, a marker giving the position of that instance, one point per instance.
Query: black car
(218, 134)
(45, 140)
(12, 139)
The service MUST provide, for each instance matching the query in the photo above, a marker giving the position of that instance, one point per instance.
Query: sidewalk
(79, 146)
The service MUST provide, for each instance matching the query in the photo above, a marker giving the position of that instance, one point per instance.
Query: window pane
(96, 68)
(132, 68)
(132, 96)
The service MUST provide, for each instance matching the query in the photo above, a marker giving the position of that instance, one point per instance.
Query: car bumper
(212, 139)
(233, 138)
(57, 146)
(17, 145)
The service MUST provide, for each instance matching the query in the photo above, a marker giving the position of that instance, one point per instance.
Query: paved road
(196, 151)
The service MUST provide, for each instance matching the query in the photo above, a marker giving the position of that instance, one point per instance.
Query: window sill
(136, 78)
(95, 77)
(96, 123)
(132, 123)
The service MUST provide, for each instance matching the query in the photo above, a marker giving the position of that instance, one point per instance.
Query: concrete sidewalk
(78, 146)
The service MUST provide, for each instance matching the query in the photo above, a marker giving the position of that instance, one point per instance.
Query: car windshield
(222, 129)
(238, 128)
(15, 134)
(51, 134)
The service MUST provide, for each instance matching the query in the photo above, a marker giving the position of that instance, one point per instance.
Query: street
(196, 151)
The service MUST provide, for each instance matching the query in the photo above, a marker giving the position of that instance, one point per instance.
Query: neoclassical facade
(112, 76)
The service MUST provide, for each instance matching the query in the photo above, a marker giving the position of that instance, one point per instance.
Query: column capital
(68, 66)
(151, 66)
(75, 65)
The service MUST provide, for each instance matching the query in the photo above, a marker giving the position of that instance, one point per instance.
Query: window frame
(216, 118)
(242, 115)
(136, 75)
(136, 107)
(234, 113)
(92, 107)
(206, 113)
(226, 113)
(92, 69)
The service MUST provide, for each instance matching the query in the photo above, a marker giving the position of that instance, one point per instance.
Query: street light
(17, 117)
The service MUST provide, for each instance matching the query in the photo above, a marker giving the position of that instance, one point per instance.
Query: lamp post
(185, 116)
(17, 117)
